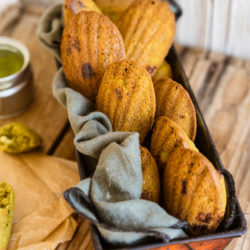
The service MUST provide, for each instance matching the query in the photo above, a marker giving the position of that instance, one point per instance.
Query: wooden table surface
(220, 83)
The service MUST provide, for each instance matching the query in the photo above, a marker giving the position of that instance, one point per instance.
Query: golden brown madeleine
(173, 101)
(194, 191)
(72, 7)
(162, 72)
(90, 42)
(126, 95)
(148, 29)
(150, 177)
(167, 136)
(113, 8)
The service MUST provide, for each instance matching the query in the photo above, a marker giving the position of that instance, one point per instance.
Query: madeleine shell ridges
(90, 42)
(150, 177)
(72, 7)
(173, 101)
(126, 95)
(148, 29)
(167, 136)
(194, 191)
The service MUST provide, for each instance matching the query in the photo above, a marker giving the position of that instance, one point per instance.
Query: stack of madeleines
(120, 66)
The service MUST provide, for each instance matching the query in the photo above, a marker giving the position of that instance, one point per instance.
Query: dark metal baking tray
(206, 146)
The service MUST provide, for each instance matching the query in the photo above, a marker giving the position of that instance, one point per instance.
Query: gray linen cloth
(110, 199)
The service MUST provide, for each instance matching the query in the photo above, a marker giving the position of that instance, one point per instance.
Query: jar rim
(11, 42)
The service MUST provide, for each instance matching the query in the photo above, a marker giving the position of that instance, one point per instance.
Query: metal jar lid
(16, 90)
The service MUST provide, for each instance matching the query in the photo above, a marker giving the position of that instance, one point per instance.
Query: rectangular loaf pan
(206, 146)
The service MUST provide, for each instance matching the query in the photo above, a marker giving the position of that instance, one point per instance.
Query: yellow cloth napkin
(42, 218)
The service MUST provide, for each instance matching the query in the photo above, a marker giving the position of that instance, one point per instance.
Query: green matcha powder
(11, 61)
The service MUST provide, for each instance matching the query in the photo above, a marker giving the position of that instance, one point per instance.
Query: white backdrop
(4, 3)
(220, 25)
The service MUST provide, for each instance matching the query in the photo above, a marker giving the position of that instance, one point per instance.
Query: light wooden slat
(247, 66)
(219, 24)
(66, 148)
(8, 17)
(90, 245)
(179, 48)
(193, 28)
(86, 243)
(205, 81)
(238, 62)
(37, 6)
(63, 246)
(227, 117)
(81, 236)
(239, 27)
(216, 25)
(42, 3)
(190, 57)
(216, 56)
(228, 120)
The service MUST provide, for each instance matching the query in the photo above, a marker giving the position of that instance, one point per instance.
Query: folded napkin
(42, 218)
(111, 197)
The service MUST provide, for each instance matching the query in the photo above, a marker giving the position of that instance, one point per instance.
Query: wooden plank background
(220, 83)
(219, 25)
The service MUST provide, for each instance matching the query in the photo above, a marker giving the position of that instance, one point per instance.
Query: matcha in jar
(16, 91)
(11, 61)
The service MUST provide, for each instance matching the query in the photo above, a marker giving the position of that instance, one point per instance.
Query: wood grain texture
(193, 28)
(220, 83)
(216, 25)
(224, 97)
(65, 147)
(20, 22)
(41, 114)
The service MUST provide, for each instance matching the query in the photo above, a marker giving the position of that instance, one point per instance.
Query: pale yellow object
(119, 5)
(166, 137)
(16, 138)
(113, 8)
(42, 218)
(7, 200)
(72, 7)
(162, 72)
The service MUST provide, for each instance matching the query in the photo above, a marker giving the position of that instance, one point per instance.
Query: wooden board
(221, 85)
(40, 115)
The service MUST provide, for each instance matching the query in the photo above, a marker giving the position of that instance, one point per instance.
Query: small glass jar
(16, 90)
